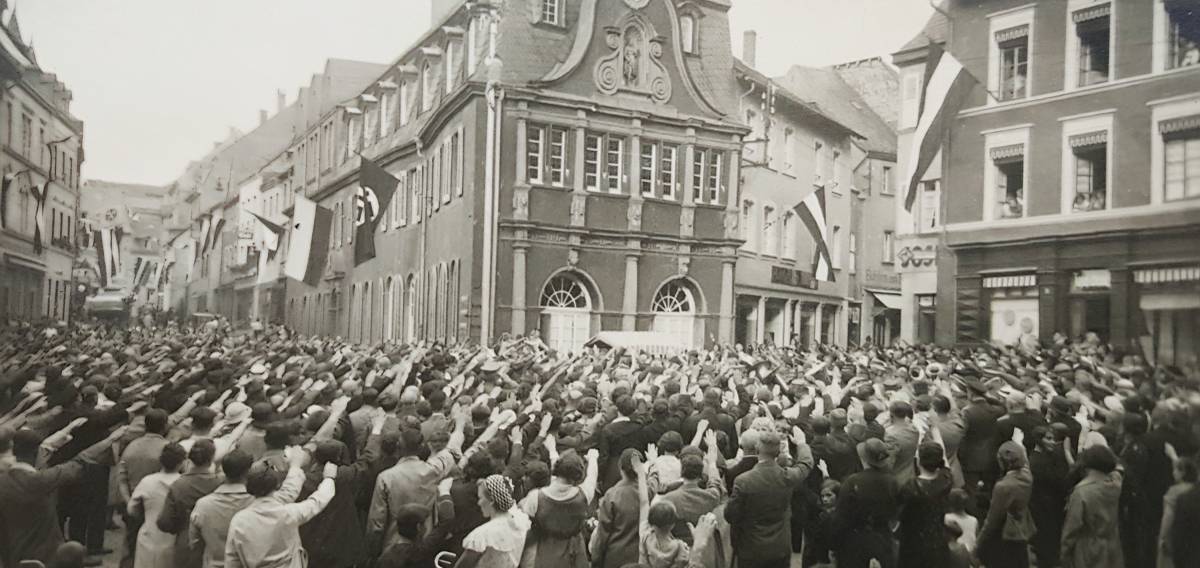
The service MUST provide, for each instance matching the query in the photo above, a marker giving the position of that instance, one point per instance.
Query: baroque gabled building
(569, 166)
(42, 150)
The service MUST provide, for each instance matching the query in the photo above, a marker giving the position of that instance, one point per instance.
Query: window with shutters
(1181, 158)
(1014, 68)
(1091, 176)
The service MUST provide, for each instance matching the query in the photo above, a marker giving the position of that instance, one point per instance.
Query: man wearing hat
(868, 503)
(977, 453)
(760, 507)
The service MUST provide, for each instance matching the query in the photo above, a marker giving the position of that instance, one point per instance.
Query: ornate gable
(635, 63)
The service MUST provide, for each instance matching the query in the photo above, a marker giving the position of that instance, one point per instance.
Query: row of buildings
(568, 166)
(1064, 198)
(41, 151)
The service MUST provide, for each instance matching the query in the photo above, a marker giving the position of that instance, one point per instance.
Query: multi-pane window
(412, 194)
(591, 161)
(551, 12)
(1092, 27)
(930, 206)
(835, 243)
(26, 136)
(789, 149)
(853, 260)
(1183, 34)
(614, 165)
(1091, 171)
(706, 176)
(1009, 164)
(558, 156)
(385, 108)
(428, 86)
(715, 161)
(1013, 47)
(698, 166)
(405, 101)
(666, 171)
(535, 150)
(1181, 148)
(450, 71)
(602, 162)
(788, 244)
(770, 232)
(647, 160)
(747, 231)
(887, 181)
(456, 162)
(889, 247)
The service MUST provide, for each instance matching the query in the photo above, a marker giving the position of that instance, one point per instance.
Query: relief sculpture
(635, 64)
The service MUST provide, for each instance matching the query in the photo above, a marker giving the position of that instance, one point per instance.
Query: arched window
(364, 335)
(389, 308)
(675, 311)
(410, 310)
(566, 311)
(428, 85)
(452, 301)
(439, 302)
(355, 315)
(687, 33)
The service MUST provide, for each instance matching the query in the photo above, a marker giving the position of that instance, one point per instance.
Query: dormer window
(549, 12)
(428, 85)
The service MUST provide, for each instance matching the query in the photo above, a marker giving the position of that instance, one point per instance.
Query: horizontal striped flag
(947, 84)
(309, 244)
(812, 213)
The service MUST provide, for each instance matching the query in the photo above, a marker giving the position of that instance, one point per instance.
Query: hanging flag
(812, 214)
(138, 268)
(156, 279)
(271, 235)
(101, 256)
(373, 196)
(117, 233)
(39, 215)
(218, 223)
(205, 230)
(4, 185)
(309, 241)
(946, 86)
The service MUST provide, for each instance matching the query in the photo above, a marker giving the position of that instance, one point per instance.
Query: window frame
(997, 139)
(1074, 126)
(668, 179)
(1006, 20)
(1073, 68)
(689, 37)
(1162, 111)
(888, 247)
(553, 9)
(1163, 41)
(647, 173)
(531, 167)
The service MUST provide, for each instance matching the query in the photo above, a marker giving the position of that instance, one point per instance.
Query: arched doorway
(675, 311)
(410, 310)
(566, 313)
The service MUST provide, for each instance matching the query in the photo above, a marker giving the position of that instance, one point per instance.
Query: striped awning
(1008, 152)
(1181, 124)
(1167, 275)
(1012, 33)
(1089, 139)
(1091, 13)
(1010, 281)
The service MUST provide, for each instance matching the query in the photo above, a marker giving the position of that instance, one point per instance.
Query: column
(518, 290)
(798, 318)
(760, 320)
(629, 307)
(520, 151)
(787, 323)
(725, 333)
(816, 324)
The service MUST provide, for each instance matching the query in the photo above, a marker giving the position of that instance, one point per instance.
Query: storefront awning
(25, 262)
(1167, 275)
(890, 300)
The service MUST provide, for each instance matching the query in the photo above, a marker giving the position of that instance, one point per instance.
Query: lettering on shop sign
(917, 256)
(793, 277)
(882, 277)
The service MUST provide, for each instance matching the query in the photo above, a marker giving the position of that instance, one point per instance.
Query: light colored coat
(1090, 537)
(266, 533)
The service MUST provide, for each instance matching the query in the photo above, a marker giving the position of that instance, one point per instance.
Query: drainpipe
(495, 100)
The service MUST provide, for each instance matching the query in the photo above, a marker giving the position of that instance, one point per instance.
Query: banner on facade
(309, 246)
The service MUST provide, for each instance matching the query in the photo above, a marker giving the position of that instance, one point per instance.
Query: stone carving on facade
(635, 64)
(685, 262)
(605, 242)
(687, 221)
(548, 237)
(573, 257)
(637, 4)
(520, 204)
(634, 215)
(578, 210)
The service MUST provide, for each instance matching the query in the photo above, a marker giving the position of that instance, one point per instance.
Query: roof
(791, 96)
(825, 89)
(102, 185)
(937, 28)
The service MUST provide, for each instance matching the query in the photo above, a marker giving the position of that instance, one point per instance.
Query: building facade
(812, 131)
(42, 147)
(1069, 204)
(140, 211)
(564, 166)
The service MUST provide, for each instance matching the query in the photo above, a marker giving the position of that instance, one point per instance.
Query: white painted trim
(1013, 17)
(1071, 63)
(1066, 167)
(1061, 219)
(1004, 137)
(1181, 106)
(1083, 115)
(1169, 100)
(1010, 128)
(994, 107)
(1159, 38)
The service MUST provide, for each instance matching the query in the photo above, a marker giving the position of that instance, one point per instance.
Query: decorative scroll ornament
(635, 65)
(573, 257)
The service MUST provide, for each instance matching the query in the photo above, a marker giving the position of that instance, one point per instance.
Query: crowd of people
(211, 447)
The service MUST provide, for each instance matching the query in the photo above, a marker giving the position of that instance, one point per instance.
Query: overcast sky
(156, 82)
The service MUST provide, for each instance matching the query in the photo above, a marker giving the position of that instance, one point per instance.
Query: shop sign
(917, 256)
(1083, 280)
(792, 277)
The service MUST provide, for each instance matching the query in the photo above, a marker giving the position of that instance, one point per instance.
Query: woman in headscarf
(1004, 537)
(498, 542)
(924, 497)
(1090, 536)
(560, 512)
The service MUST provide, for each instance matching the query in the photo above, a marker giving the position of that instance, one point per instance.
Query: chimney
(262, 116)
(280, 100)
(749, 47)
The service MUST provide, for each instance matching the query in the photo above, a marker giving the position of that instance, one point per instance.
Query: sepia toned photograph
(600, 283)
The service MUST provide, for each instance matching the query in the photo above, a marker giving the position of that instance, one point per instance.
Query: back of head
(569, 468)
(931, 457)
(1099, 458)
(691, 467)
(870, 412)
(156, 421)
(235, 464)
(409, 520)
(768, 445)
(626, 405)
(626, 463)
(670, 442)
(25, 444)
(172, 457)
(957, 502)
(662, 515)
(900, 410)
(68, 555)
(370, 396)
(277, 436)
(261, 482)
(203, 418)
(411, 442)
(202, 453)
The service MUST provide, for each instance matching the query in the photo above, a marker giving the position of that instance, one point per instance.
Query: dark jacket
(615, 438)
(760, 509)
(1008, 517)
(336, 537)
(177, 509)
(977, 453)
(867, 503)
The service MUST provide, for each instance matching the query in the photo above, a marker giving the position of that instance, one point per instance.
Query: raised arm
(299, 513)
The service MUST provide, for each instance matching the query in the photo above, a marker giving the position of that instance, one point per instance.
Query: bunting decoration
(372, 198)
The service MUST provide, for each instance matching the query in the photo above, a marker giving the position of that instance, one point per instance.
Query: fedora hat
(874, 453)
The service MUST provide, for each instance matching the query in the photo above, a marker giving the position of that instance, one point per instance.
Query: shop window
(1013, 52)
(1091, 172)
(926, 318)
(1093, 33)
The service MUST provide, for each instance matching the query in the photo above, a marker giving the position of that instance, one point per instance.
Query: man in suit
(718, 420)
(902, 438)
(616, 436)
(760, 508)
(977, 453)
